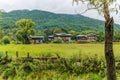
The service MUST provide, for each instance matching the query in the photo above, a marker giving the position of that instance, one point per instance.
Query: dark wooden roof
(51, 36)
(81, 36)
(62, 35)
(89, 35)
(36, 37)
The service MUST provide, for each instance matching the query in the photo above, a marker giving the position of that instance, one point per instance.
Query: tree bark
(109, 55)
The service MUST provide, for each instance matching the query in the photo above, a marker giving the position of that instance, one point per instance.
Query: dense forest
(45, 20)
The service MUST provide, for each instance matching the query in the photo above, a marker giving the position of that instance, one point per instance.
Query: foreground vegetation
(59, 69)
(74, 64)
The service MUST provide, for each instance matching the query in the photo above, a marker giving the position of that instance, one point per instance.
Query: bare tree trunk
(109, 55)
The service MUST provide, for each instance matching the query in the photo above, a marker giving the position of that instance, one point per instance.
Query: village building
(91, 37)
(64, 36)
(86, 38)
(36, 39)
(50, 38)
(81, 38)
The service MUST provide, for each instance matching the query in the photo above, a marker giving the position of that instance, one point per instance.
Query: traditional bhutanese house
(81, 38)
(36, 39)
(65, 37)
(91, 37)
(50, 38)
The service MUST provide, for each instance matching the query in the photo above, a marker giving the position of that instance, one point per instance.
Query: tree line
(26, 28)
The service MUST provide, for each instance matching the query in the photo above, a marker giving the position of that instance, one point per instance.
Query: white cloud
(63, 6)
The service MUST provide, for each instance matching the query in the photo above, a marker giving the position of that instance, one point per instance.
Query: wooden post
(16, 54)
(28, 54)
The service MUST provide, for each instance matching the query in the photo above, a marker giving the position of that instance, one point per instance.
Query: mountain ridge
(45, 19)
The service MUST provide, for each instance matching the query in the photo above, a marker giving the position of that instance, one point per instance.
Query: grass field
(65, 50)
(40, 71)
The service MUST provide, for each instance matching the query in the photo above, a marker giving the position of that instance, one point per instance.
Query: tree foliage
(25, 30)
(102, 6)
(51, 31)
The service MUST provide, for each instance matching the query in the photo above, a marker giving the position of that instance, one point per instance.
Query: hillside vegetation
(45, 20)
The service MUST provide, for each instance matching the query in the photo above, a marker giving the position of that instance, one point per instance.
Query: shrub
(93, 76)
(6, 40)
(58, 40)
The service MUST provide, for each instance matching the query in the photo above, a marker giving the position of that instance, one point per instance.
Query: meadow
(64, 50)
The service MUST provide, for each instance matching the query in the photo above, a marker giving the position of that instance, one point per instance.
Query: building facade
(86, 38)
(81, 38)
(36, 39)
(63, 36)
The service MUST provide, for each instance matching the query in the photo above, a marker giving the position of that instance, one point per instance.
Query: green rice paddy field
(64, 50)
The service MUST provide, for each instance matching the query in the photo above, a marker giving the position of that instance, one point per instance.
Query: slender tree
(104, 8)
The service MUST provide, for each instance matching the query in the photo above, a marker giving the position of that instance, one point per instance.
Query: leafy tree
(51, 31)
(48, 31)
(25, 30)
(104, 7)
(74, 34)
(100, 37)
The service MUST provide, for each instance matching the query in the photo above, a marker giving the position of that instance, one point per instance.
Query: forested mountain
(45, 20)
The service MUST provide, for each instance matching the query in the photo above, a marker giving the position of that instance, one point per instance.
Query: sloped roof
(81, 36)
(51, 36)
(36, 37)
(63, 34)
(91, 34)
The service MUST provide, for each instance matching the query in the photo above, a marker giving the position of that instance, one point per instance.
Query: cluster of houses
(64, 37)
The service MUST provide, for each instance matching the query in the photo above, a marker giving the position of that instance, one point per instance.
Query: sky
(56, 6)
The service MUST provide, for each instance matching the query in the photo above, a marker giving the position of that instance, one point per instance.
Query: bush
(6, 40)
(58, 40)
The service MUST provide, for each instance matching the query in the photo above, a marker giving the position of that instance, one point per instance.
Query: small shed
(36, 39)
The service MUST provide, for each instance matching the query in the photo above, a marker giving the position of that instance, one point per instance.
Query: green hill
(45, 20)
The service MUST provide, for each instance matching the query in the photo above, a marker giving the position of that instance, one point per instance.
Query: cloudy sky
(56, 6)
